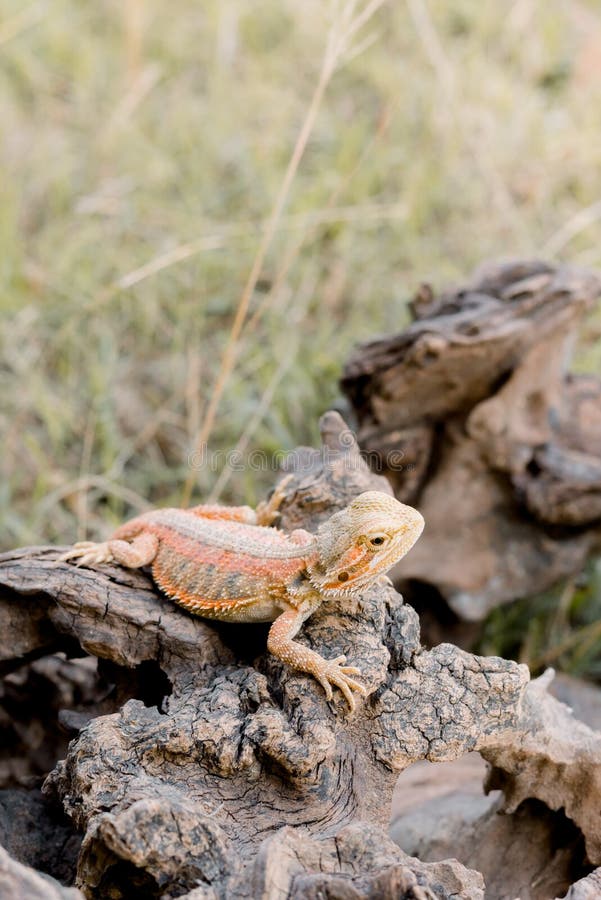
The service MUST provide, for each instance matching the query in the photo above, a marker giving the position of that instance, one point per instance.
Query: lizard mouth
(353, 576)
(346, 581)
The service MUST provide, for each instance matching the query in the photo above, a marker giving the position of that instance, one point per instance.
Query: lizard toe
(356, 686)
(268, 510)
(325, 683)
(88, 553)
(348, 696)
(86, 560)
(350, 670)
(76, 551)
(340, 676)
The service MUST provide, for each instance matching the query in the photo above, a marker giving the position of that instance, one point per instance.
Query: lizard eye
(378, 539)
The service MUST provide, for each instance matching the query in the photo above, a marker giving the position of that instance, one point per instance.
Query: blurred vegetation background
(144, 147)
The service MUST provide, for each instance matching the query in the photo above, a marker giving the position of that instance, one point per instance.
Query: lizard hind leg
(133, 555)
(268, 510)
(329, 672)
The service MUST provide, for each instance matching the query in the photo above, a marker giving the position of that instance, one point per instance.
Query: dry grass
(561, 628)
(152, 175)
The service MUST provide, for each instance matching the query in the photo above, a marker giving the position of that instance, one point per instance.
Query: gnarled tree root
(241, 779)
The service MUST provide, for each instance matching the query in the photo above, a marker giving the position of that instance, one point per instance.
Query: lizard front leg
(327, 671)
(133, 555)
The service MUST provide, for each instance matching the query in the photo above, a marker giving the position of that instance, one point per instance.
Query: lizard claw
(334, 672)
(268, 510)
(88, 553)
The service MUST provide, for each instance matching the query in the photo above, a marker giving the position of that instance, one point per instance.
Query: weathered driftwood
(535, 853)
(238, 779)
(472, 414)
(18, 881)
(588, 888)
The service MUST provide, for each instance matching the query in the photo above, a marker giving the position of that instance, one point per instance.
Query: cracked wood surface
(245, 765)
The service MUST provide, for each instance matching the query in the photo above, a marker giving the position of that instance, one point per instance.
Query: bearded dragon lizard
(226, 563)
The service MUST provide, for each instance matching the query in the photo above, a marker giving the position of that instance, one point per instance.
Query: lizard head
(362, 541)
